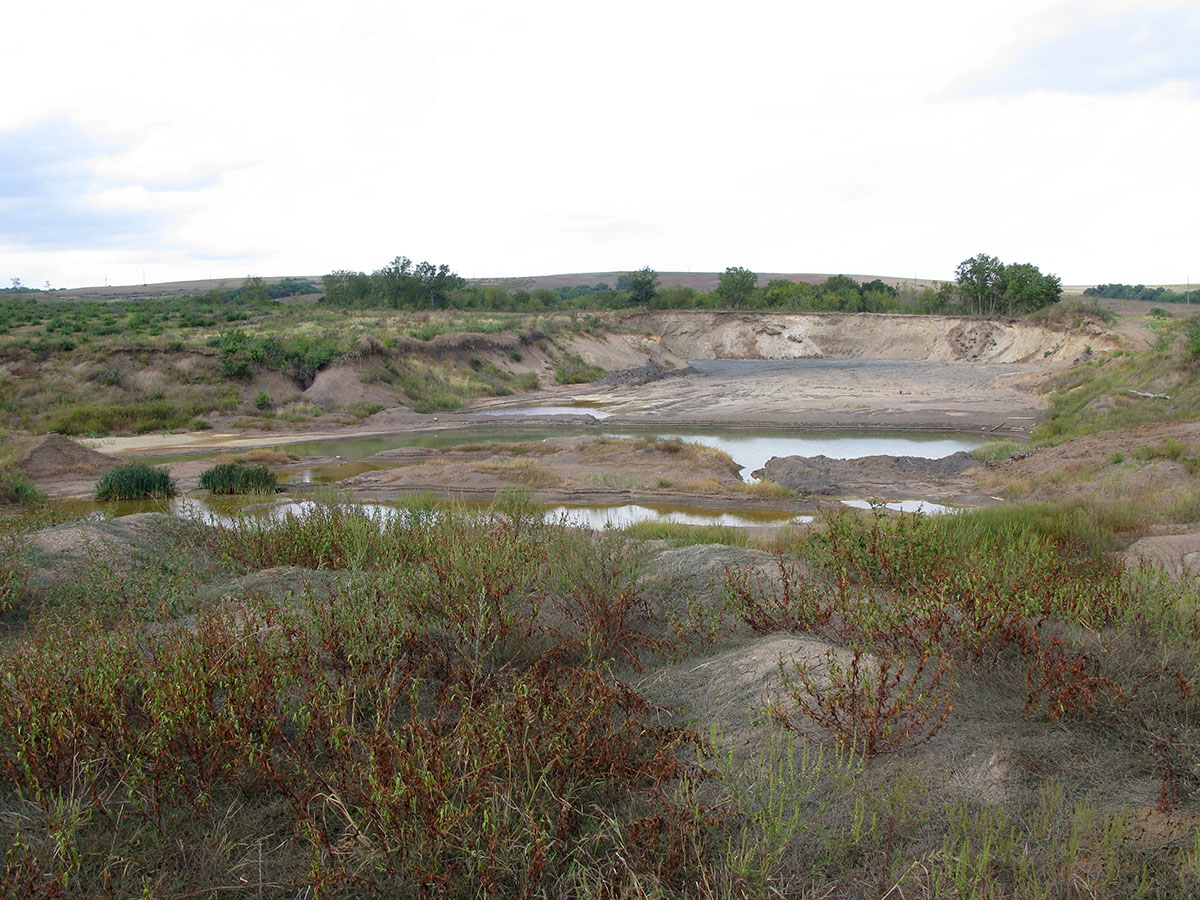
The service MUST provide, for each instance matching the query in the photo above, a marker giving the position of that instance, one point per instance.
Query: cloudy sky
(162, 141)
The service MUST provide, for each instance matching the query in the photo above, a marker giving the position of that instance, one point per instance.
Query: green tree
(735, 285)
(1024, 288)
(643, 286)
(979, 285)
(254, 289)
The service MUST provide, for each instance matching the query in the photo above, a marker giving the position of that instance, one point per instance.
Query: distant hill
(700, 281)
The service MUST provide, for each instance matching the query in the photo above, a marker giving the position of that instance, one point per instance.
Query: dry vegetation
(443, 704)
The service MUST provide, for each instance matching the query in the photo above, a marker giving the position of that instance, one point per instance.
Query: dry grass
(765, 490)
(521, 471)
(269, 456)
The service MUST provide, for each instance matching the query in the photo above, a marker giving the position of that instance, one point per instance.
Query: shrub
(571, 369)
(263, 400)
(135, 481)
(997, 451)
(238, 478)
(16, 488)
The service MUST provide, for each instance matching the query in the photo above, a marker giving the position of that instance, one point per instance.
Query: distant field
(700, 281)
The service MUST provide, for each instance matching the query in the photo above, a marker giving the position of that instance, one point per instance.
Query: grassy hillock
(448, 704)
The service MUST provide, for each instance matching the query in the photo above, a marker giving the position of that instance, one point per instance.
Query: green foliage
(1192, 337)
(643, 286)
(735, 285)
(997, 451)
(16, 488)
(262, 400)
(988, 287)
(299, 357)
(135, 418)
(571, 369)
(1118, 291)
(400, 285)
(238, 478)
(135, 481)
(1100, 395)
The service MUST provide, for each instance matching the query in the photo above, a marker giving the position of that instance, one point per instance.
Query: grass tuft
(135, 481)
(238, 478)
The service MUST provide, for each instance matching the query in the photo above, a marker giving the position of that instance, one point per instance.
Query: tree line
(1118, 291)
(983, 286)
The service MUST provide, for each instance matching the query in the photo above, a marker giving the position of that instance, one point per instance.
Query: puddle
(226, 510)
(908, 506)
(750, 450)
(600, 517)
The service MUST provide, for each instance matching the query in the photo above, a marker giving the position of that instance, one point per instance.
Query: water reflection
(750, 450)
(908, 506)
(225, 511)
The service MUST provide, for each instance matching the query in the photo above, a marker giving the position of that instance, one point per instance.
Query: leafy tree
(736, 285)
(1024, 288)
(346, 288)
(1192, 337)
(254, 289)
(988, 286)
(978, 280)
(401, 284)
(643, 286)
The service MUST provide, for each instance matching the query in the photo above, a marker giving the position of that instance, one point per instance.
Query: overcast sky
(168, 141)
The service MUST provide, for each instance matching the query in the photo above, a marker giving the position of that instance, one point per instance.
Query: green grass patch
(16, 488)
(679, 535)
(997, 451)
(135, 481)
(1124, 390)
(238, 478)
(571, 369)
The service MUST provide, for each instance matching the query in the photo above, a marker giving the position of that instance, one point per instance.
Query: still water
(226, 510)
(749, 449)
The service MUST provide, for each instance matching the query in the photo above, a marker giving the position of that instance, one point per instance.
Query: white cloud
(294, 138)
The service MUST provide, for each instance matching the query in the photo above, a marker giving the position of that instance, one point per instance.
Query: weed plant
(571, 369)
(450, 724)
(135, 481)
(16, 488)
(238, 478)
(461, 716)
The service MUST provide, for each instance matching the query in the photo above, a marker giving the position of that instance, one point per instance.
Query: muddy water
(226, 511)
(749, 449)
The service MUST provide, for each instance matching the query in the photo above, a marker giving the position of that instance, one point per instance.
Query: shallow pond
(749, 449)
(225, 511)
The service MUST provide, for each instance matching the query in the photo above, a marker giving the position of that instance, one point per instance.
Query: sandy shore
(925, 396)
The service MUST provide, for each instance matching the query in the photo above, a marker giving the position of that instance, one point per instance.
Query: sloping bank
(733, 335)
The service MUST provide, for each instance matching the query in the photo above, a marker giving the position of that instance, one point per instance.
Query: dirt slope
(729, 335)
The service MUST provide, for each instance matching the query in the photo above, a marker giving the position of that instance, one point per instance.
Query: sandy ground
(919, 395)
(928, 396)
(837, 393)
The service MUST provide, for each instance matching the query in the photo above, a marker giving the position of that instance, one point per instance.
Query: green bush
(16, 488)
(135, 481)
(571, 369)
(238, 478)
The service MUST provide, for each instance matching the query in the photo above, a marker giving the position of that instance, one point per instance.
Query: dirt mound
(56, 456)
(341, 386)
(77, 541)
(639, 375)
(277, 583)
(1177, 555)
(889, 476)
(730, 688)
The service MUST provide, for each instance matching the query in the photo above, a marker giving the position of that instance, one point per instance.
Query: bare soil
(792, 371)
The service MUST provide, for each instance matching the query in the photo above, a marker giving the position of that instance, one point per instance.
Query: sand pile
(56, 456)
